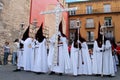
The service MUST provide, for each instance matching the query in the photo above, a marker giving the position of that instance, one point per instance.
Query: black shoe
(17, 70)
(111, 75)
(38, 73)
(51, 73)
(75, 75)
(97, 75)
(60, 74)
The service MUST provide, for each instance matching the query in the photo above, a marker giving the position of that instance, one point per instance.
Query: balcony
(101, 10)
(109, 25)
(97, 11)
(73, 27)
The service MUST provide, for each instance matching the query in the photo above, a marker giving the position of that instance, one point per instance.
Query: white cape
(108, 65)
(77, 56)
(27, 54)
(64, 59)
(40, 63)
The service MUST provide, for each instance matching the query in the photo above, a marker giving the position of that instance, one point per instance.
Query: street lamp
(103, 29)
(22, 25)
(78, 26)
(21, 28)
(34, 23)
(78, 23)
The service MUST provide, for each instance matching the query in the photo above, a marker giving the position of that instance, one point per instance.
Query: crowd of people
(32, 54)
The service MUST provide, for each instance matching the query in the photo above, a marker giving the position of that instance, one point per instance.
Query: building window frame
(73, 24)
(89, 9)
(107, 8)
(108, 21)
(90, 36)
(90, 23)
(109, 34)
(72, 36)
(73, 12)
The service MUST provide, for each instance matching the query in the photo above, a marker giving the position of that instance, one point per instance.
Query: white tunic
(20, 58)
(108, 65)
(97, 59)
(79, 56)
(63, 56)
(40, 63)
(27, 54)
(33, 53)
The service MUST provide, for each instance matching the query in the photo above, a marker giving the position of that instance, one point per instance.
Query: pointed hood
(39, 35)
(61, 29)
(99, 35)
(99, 38)
(26, 34)
(80, 37)
(76, 35)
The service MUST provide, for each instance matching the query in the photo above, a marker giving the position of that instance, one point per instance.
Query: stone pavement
(6, 73)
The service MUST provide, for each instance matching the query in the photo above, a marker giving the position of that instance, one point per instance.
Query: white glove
(78, 41)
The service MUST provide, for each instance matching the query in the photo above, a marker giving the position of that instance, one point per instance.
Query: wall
(13, 13)
(97, 17)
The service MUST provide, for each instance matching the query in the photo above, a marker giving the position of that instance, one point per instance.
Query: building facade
(48, 20)
(12, 14)
(90, 14)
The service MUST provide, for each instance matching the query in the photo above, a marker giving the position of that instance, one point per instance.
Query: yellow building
(90, 13)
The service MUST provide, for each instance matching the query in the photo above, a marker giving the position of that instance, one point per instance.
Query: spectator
(0, 60)
(91, 53)
(15, 51)
(6, 49)
(118, 52)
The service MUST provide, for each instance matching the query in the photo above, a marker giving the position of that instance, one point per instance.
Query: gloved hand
(78, 41)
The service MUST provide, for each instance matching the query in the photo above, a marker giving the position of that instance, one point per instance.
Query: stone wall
(13, 12)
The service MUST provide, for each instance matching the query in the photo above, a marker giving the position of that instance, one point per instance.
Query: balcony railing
(98, 11)
(109, 25)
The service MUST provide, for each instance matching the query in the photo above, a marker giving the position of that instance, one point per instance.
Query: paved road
(6, 73)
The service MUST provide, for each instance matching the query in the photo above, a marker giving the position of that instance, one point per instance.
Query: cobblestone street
(6, 73)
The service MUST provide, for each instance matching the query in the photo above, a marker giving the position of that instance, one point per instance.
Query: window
(89, 23)
(90, 36)
(72, 36)
(72, 12)
(107, 8)
(89, 9)
(108, 21)
(72, 24)
(109, 34)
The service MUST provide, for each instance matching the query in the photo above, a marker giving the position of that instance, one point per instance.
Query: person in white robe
(102, 56)
(108, 62)
(98, 50)
(20, 54)
(27, 53)
(33, 53)
(40, 63)
(22, 57)
(80, 58)
(63, 59)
